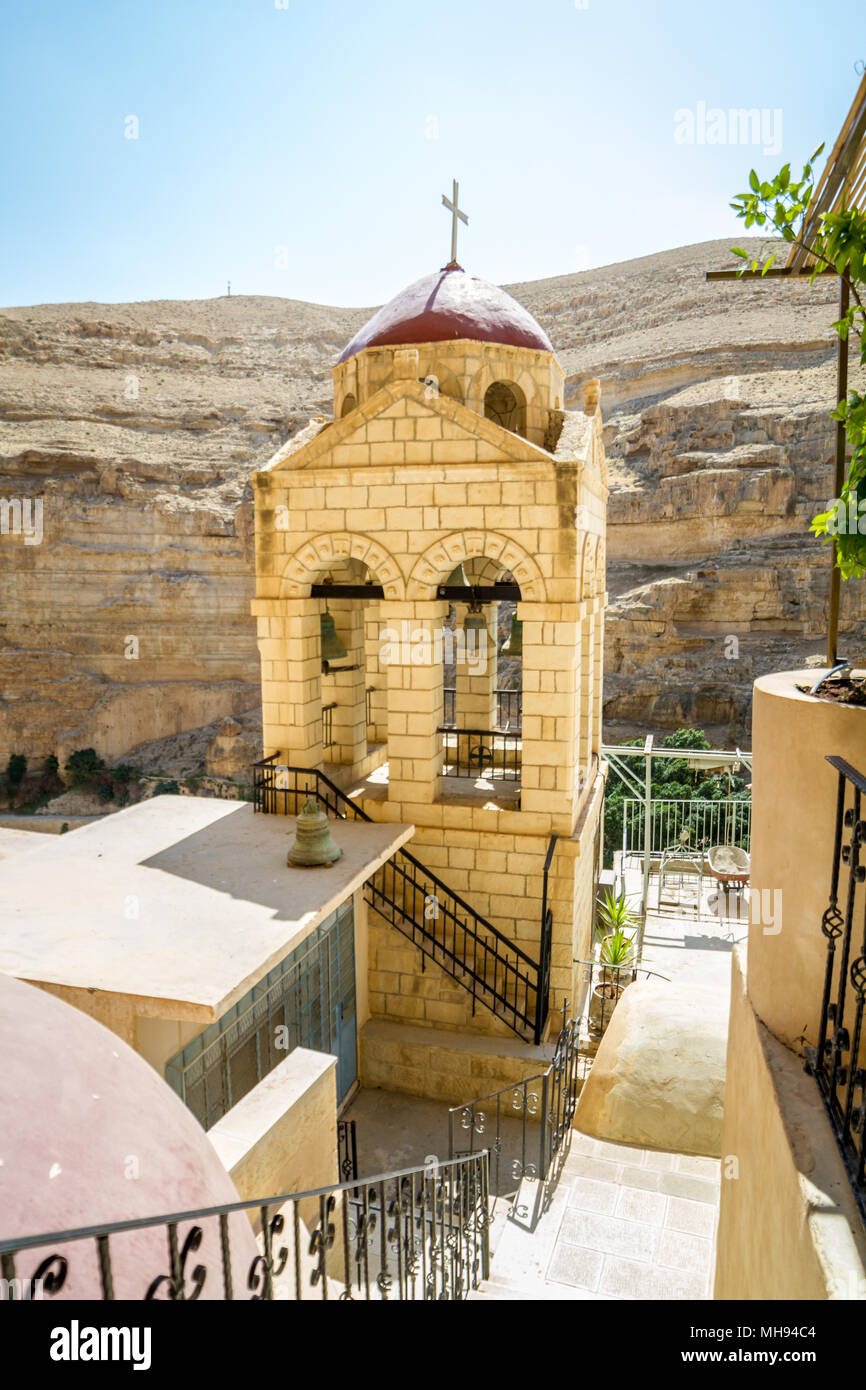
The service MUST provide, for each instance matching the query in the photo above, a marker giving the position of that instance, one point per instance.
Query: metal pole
(839, 481)
(647, 836)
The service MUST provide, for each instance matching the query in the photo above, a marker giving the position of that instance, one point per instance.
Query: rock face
(138, 427)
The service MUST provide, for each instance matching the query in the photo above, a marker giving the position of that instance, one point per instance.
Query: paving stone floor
(624, 1223)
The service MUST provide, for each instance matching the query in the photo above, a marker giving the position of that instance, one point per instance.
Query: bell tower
(445, 531)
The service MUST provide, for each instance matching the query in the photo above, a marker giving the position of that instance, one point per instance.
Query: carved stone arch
(587, 567)
(321, 552)
(435, 564)
(600, 572)
(508, 373)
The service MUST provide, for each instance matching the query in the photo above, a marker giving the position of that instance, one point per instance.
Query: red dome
(451, 304)
(90, 1133)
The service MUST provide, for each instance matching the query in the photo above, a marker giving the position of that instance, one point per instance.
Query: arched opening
(505, 405)
(349, 404)
(481, 686)
(353, 686)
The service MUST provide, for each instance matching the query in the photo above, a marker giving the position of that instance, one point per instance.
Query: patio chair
(680, 862)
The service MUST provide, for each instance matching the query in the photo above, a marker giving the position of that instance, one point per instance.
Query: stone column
(598, 677)
(346, 688)
(549, 779)
(412, 649)
(377, 678)
(289, 644)
(476, 670)
(588, 686)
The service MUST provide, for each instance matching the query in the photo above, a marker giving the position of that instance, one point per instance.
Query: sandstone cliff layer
(138, 426)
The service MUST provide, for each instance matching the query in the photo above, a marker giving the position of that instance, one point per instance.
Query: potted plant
(616, 954)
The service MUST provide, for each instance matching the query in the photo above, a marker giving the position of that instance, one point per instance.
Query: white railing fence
(698, 824)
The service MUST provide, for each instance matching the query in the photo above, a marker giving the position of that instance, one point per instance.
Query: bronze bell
(457, 579)
(513, 644)
(475, 620)
(313, 844)
(332, 647)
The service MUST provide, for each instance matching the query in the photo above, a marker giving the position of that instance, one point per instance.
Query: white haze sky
(301, 147)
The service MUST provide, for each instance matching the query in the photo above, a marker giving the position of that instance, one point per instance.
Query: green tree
(15, 770)
(82, 767)
(779, 204)
(672, 780)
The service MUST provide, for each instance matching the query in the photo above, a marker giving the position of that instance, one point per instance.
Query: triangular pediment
(404, 412)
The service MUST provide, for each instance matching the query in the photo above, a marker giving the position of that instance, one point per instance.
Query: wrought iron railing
(446, 929)
(509, 708)
(449, 711)
(705, 823)
(490, 753)
(527, 1126)
(838, 1063)
(421, 1233)
(328, 725)
(347, 1150)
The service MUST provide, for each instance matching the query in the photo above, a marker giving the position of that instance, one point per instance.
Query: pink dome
(90, 1133)
(451, 304)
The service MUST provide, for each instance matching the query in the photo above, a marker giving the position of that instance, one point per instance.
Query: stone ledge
(448, 1066)
(282, 1136)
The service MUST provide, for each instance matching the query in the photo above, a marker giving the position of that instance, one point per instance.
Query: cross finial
(454, 208)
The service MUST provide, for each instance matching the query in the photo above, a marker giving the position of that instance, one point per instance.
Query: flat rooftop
(183, 899)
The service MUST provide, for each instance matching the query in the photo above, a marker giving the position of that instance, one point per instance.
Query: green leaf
(754, 181)
(738, 251)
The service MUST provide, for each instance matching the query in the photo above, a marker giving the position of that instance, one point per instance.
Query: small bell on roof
(313, 844)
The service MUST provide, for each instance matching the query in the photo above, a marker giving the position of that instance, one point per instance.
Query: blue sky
(301, 147)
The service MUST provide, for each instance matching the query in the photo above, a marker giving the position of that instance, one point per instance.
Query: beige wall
(793, 828)
(788, 1225)
(282, 1136)
(461, 370)
(501, 875)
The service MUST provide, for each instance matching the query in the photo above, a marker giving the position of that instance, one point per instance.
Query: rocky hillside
(139, 425)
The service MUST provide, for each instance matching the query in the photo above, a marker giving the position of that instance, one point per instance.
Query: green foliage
(617, 948)
(50, 766)
(124, 772)
(614, 913)
(166, 789)
(15, 770)
(82, 767)
(840, 244)
(672, 780)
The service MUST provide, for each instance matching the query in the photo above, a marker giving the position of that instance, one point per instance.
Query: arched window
(505, 405)
(349, 404)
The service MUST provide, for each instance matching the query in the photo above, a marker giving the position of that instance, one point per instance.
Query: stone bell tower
(451, 481)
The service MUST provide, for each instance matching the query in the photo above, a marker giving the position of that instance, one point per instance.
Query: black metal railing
(509, 709)
(449, 712)
(837, 1062)
(347, 1150)
(421, 1233)
(527, 1126)
(328, 725)
(497, 974)
(490, 753)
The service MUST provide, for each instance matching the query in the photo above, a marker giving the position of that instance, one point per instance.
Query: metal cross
(454, 209)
